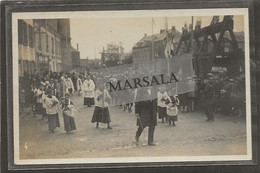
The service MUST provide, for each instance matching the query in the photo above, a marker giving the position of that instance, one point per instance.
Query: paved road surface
(193, 136)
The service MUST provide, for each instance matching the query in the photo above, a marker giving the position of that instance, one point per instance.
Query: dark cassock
(62, 87)
(208, 94)
(147, 113)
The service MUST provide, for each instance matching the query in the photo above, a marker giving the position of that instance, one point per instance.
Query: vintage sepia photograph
(131, 86)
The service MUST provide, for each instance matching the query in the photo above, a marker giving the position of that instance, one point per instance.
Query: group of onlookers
(50, 94)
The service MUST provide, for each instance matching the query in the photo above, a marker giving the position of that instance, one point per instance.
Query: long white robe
(51, 110)
(101, 98)
(159, 98)
(88, 88)
(71, 85)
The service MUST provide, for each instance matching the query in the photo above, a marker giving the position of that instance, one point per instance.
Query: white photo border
(122, 14)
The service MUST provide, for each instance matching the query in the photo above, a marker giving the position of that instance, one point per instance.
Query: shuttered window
(31, 37)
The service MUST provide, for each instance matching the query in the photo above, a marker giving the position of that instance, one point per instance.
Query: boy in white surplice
(88, 88)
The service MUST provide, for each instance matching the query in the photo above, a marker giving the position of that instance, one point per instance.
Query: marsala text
(142, 82)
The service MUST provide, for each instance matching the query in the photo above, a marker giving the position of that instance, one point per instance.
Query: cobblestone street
(192, 136)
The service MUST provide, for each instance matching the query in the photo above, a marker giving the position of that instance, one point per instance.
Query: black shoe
(109, 127)
(173, 124)
(136, 139)
(151, 144)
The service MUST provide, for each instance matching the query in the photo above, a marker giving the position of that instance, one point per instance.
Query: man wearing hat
(208, 95)
(146, 114)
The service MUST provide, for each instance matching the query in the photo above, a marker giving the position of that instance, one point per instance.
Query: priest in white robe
(88, 89)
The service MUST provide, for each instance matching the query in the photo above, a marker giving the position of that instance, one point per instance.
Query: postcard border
(10, 114)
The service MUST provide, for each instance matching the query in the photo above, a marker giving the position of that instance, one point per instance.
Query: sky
(92, 34)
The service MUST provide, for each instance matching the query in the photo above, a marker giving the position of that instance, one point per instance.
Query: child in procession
(172, 109)
(79, 85)
(44, 106)
(34, 100)
(88, 88)
(101, 112)
(39, 100)
(52, 111)
(68, 114)
(162, 96)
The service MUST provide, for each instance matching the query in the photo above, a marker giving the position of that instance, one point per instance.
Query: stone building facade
(44, 45)
(161, 45)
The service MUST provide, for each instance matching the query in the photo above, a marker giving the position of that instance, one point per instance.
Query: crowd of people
(51, 92)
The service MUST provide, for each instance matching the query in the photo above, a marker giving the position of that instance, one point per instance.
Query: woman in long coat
(147, 114)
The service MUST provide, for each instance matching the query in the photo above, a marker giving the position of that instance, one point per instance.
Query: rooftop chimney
(77, 47)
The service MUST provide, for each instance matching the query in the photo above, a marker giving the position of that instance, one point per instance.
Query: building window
(25, 34)
(20, 32)
(57, 47)
(52, 45)
(31, 36)
(40, 41)
(47, 45)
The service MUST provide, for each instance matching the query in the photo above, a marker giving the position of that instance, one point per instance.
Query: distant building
(112, 55)
(75, 58)
(44, 45)
(225, 48)
(26, 47)
(240, 41)
(63, 27)
(90, 65)
(161, 45)
(126, 58)
(47, 47)
(84, 65)
(214, 47)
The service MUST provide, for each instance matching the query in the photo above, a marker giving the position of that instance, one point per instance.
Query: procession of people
(50, 94)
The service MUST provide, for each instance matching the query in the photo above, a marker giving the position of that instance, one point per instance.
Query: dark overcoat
(147, 112)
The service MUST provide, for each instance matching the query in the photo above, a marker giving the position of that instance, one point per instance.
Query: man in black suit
(208, 94)
(146, 114)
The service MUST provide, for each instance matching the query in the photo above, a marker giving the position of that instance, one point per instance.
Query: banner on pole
(141, 81)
